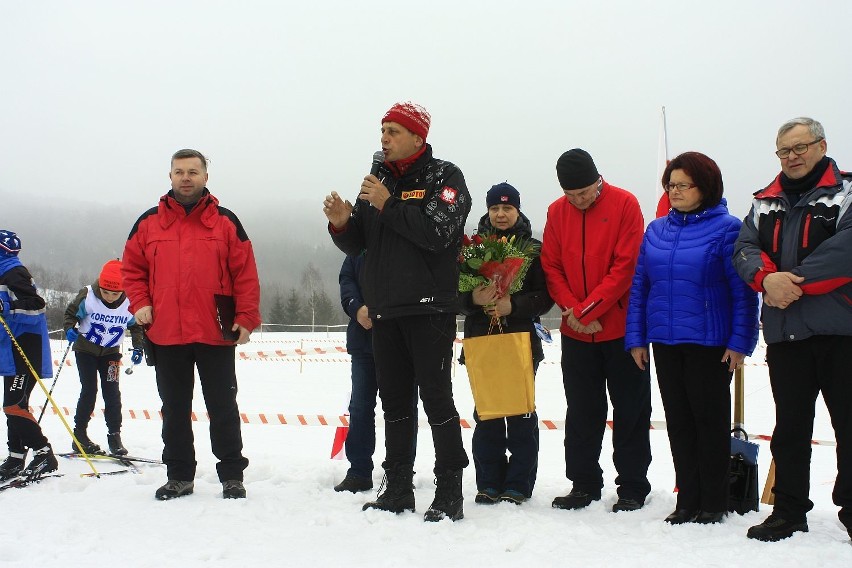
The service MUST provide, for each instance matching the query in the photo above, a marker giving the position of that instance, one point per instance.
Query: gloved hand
(136, 358)
(72, 334)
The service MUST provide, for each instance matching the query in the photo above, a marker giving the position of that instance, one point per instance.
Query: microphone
(375, 169)
(378, 162)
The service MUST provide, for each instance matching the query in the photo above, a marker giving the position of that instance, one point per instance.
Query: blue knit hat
(503, 193)
(10, 244)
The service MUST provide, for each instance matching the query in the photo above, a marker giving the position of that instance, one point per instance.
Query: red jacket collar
(830, 178)
(399, 167)
(171, 210)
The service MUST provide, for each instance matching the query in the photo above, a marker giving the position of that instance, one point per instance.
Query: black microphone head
(378, 160)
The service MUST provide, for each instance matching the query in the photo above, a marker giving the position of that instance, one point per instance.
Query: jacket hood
(170, 209)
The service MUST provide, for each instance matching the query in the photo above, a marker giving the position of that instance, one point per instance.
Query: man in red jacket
(589, 251)
(188, 268)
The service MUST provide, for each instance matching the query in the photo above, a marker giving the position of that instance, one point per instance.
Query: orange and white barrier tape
(343, 420)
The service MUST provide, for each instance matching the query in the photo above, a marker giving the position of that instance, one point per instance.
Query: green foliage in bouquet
(486, 257)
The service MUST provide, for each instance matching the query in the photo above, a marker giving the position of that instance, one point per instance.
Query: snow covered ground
(292, 517)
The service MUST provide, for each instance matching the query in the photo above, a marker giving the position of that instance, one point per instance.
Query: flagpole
(662, 197)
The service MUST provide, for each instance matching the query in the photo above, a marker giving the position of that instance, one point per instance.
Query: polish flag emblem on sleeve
(448, 195)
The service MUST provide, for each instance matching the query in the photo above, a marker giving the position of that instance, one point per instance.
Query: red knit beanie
(411, 115)
(110, 278)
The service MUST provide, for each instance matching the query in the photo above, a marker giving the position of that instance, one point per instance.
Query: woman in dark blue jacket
(688, 301)
(498, 477)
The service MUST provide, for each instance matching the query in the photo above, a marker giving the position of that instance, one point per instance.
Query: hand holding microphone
(372, 189)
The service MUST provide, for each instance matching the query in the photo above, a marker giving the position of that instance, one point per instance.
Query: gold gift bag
(500, 370)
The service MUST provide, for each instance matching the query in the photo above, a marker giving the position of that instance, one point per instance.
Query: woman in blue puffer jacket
(688, 301)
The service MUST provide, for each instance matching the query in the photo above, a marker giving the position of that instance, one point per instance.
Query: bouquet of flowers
(487, 258)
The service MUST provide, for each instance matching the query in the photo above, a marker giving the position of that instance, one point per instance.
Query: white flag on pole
(663, 204)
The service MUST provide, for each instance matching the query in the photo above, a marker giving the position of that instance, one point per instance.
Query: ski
(112, 457)
(131, 469)
(138, 459)
(102, 457)
(20, 482)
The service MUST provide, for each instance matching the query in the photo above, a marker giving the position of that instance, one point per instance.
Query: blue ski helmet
(10, 244)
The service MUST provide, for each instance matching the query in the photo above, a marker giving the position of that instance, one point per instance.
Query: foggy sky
(286, 98)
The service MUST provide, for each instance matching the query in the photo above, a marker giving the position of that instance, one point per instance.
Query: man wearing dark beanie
(794, 248)
(589, 252)
(410, 220)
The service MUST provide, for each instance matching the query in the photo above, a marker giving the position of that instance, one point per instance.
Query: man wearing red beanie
(410, 219)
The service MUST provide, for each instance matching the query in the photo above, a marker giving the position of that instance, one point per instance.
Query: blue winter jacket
(685, 289)
(23, 312)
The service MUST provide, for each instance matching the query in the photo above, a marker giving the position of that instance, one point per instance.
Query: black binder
(225, 312)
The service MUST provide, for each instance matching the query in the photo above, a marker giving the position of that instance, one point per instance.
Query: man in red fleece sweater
(589, 251)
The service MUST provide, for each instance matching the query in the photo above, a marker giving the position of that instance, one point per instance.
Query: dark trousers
(361, 438)
(696, 390)
(517, 435)
(175, 381)
(415, 353)
(798, 371)
(23, 430)
(109, 369)
(492, 439)
(588, 371)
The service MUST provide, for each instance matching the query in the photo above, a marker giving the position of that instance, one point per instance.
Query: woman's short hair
(705, 175)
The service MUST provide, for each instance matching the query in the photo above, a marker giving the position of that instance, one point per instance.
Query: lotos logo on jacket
(448, 195)
(413, 194)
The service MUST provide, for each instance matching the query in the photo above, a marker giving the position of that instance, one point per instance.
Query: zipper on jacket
(671, 269)
(776, 233)
(585, 283)
(806, 231)
(583, 255)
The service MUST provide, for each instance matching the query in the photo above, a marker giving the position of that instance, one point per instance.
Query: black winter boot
(116, 448)
(448, 498)
(398, 493)
(88, 446)
(13, 466)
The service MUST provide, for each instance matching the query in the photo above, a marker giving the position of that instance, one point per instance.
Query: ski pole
(50, 398)
(56, 378)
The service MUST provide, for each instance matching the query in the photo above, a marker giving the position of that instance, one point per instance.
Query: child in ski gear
(102, 312)
(23, 317)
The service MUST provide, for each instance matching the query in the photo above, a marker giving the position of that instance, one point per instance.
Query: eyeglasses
(798, 149)
(681, 187)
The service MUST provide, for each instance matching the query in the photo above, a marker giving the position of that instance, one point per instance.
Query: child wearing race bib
(95, 322)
